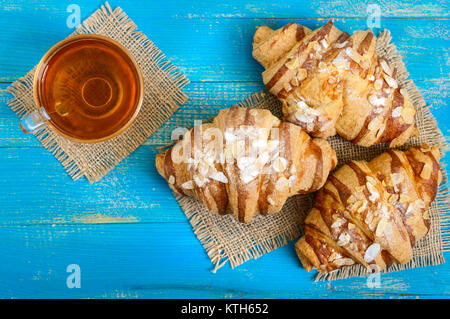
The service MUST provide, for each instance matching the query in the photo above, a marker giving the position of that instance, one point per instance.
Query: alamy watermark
(373, 16)
(74, 279)
(74, 19)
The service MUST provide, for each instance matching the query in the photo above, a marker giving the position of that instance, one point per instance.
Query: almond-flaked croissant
(331, 82)
(246, 162)
(371, 213)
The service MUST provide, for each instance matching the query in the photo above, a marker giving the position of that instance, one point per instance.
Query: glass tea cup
(88, 88)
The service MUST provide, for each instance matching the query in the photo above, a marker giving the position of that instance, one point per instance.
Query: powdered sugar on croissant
(331, 82)
(246, 162)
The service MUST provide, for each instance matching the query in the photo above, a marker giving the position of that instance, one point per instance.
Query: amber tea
(89, 88)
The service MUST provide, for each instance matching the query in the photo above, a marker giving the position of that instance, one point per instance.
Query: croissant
(330, 82)
(371, 213)
(245, 162)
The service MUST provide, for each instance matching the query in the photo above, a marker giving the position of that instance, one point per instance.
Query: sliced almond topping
(322, 66)
(381, 226)
(292, 64)
(404, 198)
(287, 87)
(408, 115)
(362, 207)
(372, 252)
(188, 185)
(344, 262)
(344, 239)
(294, 81)
(253, 112)
(390, 81)
(386, 67)
(220, 177)
(425, 215)
(397, 178)
(426, 170)
(338, 223)
(171, 179)
(200, 181)
(397, 111)
(377, 101)
(292, 180)
(281, 184)
(302, 74)
(280, 164)
(378, 84)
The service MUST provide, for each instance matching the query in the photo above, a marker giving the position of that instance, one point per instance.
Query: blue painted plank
(35, 189)
(222, 50)
(166, 261)
(126, 232)
(200, 9)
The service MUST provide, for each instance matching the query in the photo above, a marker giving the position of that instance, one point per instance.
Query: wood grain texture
(126, 232)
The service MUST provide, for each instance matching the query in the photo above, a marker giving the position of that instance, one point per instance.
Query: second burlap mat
(227, 240)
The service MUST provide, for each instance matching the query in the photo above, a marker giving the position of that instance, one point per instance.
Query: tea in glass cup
(88, 88)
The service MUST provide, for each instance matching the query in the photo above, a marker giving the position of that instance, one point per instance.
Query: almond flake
(200, 181)
(397, 111)
(381, 226)
(377, 101)
(397, 178)
(281, 184)
(343, 262)
(220, 177)
(386, 67)
(280, 164)
(292, 180)
(302, 74)
(426, 170)
(171, 179)
(378, 84)
(188, 185)
(292, 64)
(344, 239)
(372, 252)
(340, 45)
(390, 81)
(287, 87)
(408, 115)
(405, 198)
(338, 223)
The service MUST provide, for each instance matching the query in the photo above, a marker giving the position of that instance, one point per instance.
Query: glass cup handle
(34, 121)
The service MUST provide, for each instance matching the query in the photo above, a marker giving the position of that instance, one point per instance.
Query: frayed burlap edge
(431, 134)
(162, 98)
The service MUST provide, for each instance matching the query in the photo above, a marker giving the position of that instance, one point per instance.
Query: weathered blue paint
(126, 232)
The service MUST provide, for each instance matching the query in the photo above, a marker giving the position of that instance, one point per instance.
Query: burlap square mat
(227, 240)
(162, 85)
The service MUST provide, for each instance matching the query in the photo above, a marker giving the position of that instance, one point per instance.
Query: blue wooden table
(126, 232)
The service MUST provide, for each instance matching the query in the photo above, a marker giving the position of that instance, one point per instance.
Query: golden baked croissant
(331, 82)
(246, 162)
(371, 213)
